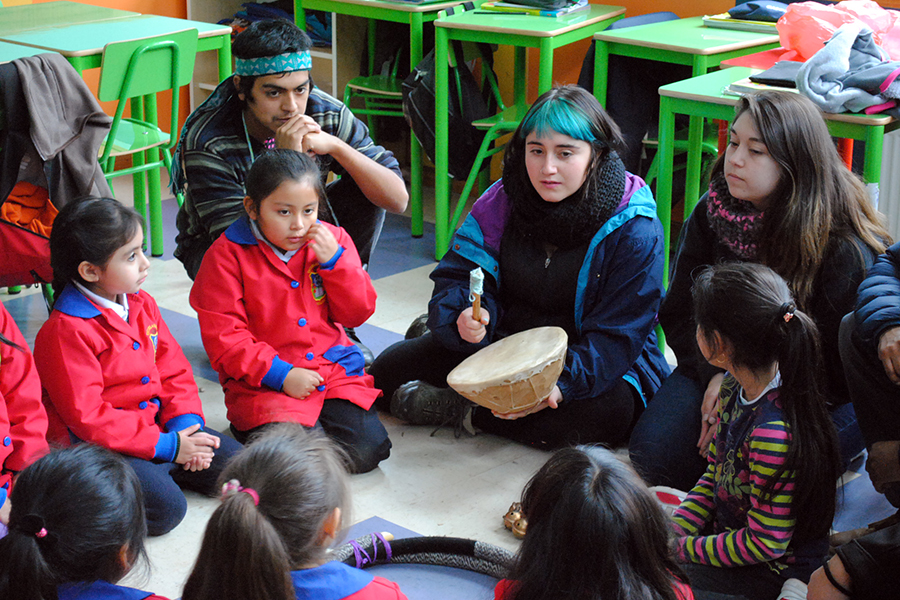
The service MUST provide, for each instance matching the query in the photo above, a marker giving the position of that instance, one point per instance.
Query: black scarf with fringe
(575, 220)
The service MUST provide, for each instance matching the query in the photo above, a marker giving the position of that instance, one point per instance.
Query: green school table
(521, 32)
(27, 17)
(681, 42)
(10, 52)
(82, 43)
(414, 15)
(703, 97)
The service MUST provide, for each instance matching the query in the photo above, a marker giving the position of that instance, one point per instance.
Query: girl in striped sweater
(762, 511)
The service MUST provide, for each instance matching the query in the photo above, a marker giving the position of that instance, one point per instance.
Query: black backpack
(467, 103)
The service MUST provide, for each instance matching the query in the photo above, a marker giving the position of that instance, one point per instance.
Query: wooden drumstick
(476, 289)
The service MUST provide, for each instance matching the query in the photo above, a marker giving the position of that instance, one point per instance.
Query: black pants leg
(355, 213)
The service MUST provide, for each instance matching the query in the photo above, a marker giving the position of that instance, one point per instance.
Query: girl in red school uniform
(112, 373)
(284, 499)
(76, 528)
(273, 296)
(23, 421)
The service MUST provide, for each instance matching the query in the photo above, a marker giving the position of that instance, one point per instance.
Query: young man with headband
(271, 102)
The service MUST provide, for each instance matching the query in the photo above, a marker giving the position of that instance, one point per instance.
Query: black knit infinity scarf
(575, 220)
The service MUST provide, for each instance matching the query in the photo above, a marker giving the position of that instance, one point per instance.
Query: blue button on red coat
(295, 284)
(321, 388)
(310, 356)
(301, 322)
(142, 405)
(136, 345)
(7, 441)
(145, 380)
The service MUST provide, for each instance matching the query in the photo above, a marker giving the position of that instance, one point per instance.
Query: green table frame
(521, 32)
(703, 97)
(414, 15)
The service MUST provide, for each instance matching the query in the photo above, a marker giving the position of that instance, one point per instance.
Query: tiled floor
(433, 485)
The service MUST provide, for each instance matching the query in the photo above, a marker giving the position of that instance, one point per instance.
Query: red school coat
(121, 385)
(23, 421)
(260, 317)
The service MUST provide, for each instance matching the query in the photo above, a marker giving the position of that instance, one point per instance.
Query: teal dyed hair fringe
(560, 116)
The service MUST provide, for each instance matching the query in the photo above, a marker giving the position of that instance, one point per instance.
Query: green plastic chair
(137, 70)
(504, 122)
(381, 93)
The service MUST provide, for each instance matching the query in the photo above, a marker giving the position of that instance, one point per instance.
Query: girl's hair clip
(234, 486)
(41, 533)
(787, 311)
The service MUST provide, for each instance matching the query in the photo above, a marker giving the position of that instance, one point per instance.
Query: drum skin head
(515, 373)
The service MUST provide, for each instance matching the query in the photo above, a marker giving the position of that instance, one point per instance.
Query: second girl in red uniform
(272, 295)
(112, 373)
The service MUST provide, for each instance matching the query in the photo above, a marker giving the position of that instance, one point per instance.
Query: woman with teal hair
(566, 238)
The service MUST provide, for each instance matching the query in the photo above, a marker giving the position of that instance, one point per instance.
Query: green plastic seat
(136, 71)
(498, 125)
(381, 93)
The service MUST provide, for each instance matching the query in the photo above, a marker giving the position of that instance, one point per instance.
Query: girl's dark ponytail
(238, 533)
(24, 573)
(814, 455)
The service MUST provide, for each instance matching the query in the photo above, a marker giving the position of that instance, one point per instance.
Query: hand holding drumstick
(471, 322)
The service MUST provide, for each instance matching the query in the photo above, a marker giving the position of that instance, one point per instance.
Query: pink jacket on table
(126, 386)
(23, 421)
(260, 317)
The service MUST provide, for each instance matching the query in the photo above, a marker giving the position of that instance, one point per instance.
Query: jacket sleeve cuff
(167, 446)
(183, 422)
(277, 373)
(332, 261)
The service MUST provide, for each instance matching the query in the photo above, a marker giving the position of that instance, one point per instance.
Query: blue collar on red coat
(331, 581)
(240, 232)
(99, 590)
(73, 303)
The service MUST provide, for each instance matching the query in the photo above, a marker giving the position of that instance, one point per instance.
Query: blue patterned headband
(269, 65)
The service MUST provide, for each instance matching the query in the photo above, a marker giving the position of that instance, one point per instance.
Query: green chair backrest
(146, 66)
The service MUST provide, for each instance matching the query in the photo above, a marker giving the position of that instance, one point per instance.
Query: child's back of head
(594, 531)
(77, 516)
(279, 495)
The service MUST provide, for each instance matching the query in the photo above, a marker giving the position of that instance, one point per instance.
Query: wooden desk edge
(740, 45)
(400, 6)
(530, 32)
(853, 118)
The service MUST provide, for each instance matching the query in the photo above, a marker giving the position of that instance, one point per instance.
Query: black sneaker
(417, 328)
(420, 403)
(368, 357)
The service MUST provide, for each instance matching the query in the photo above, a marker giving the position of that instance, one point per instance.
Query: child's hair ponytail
(73, 514)
(88, 229)
(752, 307)
(278, 494)
(239, 528)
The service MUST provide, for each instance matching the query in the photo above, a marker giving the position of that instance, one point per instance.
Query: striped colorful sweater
(724, 521)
